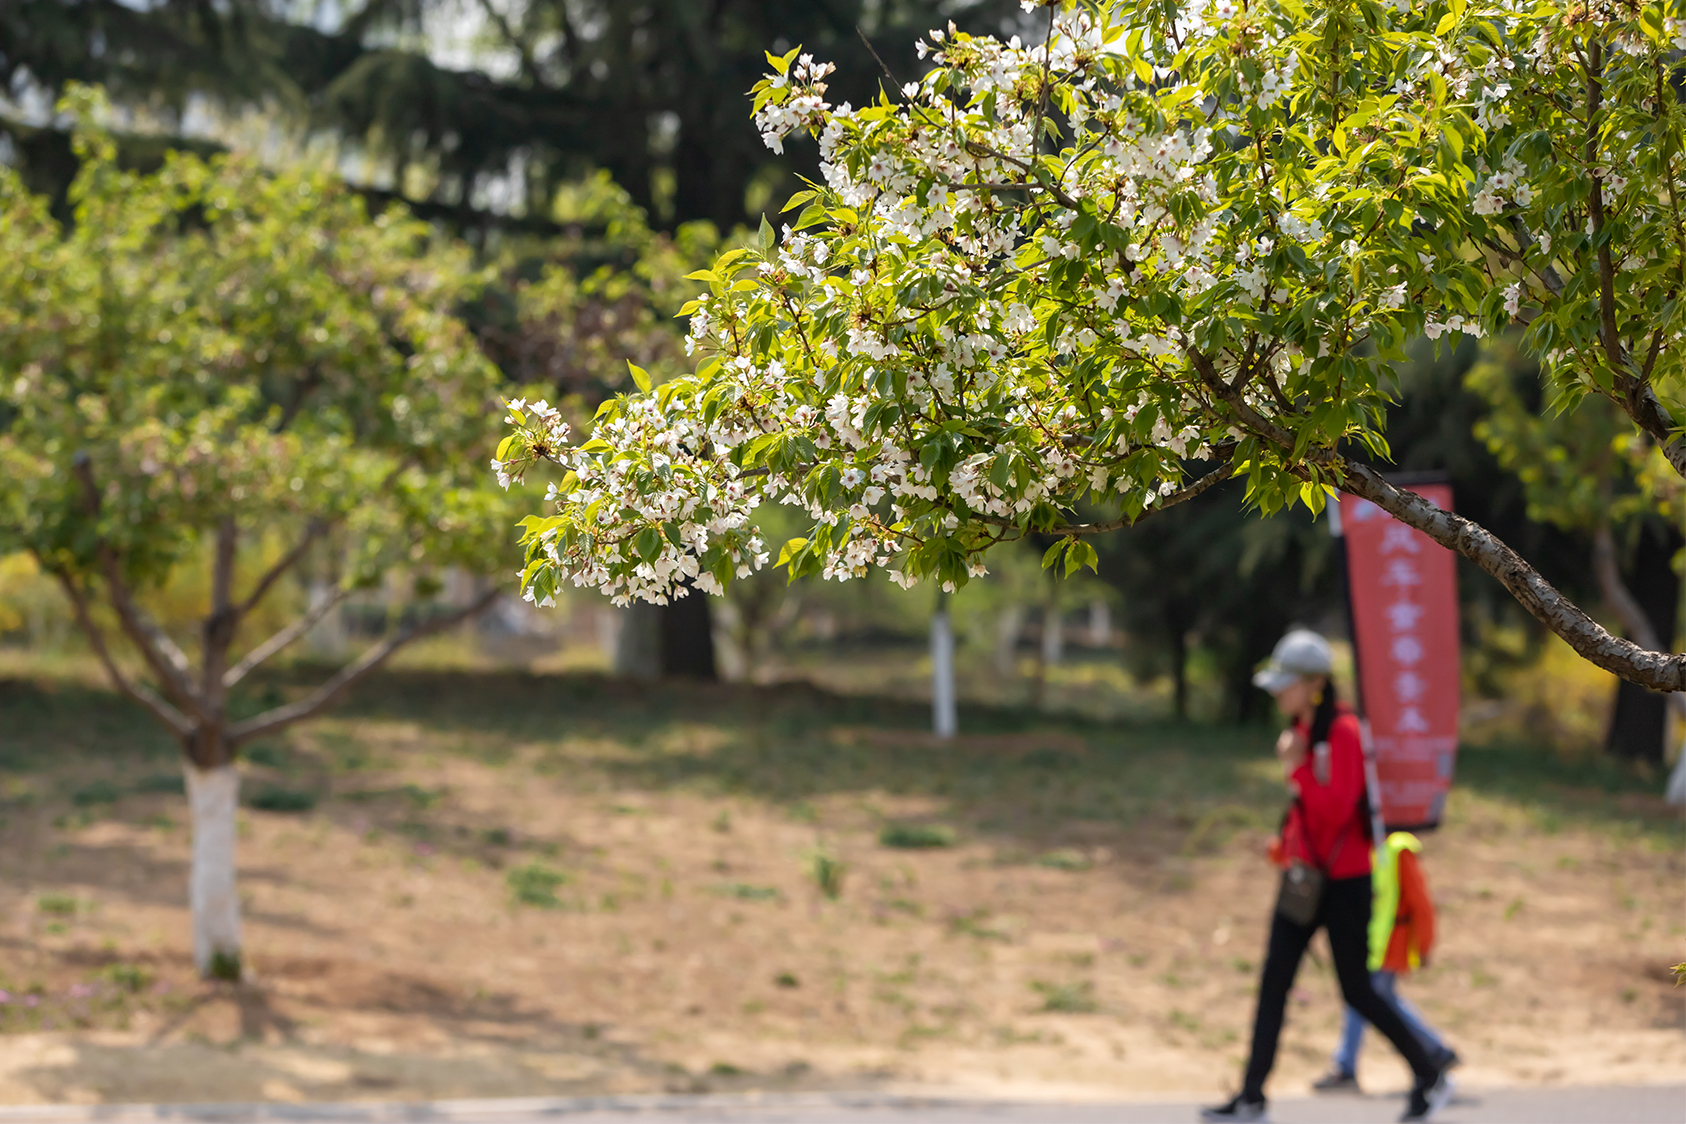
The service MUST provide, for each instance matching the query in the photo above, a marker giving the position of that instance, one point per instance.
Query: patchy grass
(528, 884)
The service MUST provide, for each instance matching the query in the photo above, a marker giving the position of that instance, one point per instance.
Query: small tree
(209, 359)
(1048, 275)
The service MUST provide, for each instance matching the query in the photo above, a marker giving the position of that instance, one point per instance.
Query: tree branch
(156, 648)
(220, 624)
(320, 698)
(312, 532)
(1182, 495)
(140, 692)
(284, 637)
(1660, 671)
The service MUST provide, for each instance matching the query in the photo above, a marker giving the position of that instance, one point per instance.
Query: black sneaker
(1337, 1080)
(1428, 1100)
(1239, 1109)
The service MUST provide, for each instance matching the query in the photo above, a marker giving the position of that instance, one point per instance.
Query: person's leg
(1346, 913)
(1352, 1041)
(1282, 963)
(1430, 1039)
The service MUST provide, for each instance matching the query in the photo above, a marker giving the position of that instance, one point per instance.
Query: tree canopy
(212, 358)
(1039, 280)
(452, 98)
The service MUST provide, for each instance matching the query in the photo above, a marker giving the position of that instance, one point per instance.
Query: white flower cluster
(971, 333)
(1491, 195)
(778, 117)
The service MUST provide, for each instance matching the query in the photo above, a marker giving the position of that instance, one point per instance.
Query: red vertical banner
(1405, 641)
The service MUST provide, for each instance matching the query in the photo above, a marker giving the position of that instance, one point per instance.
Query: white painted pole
(1675, 793)
(943, 718)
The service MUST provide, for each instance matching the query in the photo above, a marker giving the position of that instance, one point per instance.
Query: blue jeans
(1352, 1025)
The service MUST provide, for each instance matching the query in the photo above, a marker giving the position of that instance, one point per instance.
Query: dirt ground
(513, 885)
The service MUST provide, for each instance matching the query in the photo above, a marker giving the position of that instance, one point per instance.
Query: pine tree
(654, 91)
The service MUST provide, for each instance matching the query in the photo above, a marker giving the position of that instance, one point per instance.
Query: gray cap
(1299, 654)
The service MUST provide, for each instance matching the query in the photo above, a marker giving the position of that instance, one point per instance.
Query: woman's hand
(1291, 750)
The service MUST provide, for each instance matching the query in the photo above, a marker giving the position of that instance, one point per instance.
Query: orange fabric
(1413, 926)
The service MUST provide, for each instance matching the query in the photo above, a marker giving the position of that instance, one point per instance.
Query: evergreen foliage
(655, 91)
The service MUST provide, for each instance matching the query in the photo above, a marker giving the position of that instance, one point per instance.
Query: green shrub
(827, 871)
(59, 905)
(750, 893)
(266, 754)
(167, 783)
(98, 792)
(1065, 859)
(422, 798)
(1067, 998)
(535, 884)
(912, 836)
(131, 978)
(282, 800)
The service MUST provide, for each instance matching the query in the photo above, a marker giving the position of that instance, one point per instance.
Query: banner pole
(1372, 781)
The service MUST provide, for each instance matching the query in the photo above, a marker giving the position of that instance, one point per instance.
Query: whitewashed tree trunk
(1100, 624)
(638, 647)
(944, 720)
(1053, 636)
(213, 796)
(1008, 626)
(1675, 793)
(326, 639)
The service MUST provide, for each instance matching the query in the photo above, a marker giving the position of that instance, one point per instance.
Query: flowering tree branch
(1048, 278)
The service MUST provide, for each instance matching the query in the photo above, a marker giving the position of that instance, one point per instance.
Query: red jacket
(1325, 826)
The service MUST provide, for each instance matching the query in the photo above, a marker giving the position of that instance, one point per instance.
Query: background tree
(1039, 277)
(1206, 575)
(210, 361)
(451, 98)
(485, 117)
(1585, 470)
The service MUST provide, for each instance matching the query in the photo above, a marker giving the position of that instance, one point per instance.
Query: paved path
(1656, 1104)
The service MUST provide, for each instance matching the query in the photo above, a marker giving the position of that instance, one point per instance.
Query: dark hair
(1324, 716)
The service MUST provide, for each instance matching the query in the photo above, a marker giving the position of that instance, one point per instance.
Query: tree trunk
(638, 641)
(1007, 629)
(687, 639)
(1179, 668)
(1053, 635)
(1639, 720)
(944, 721)
(213, 796)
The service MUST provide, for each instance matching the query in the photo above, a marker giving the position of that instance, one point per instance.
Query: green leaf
(1079, 554)
(640, 377)
(1052, 554)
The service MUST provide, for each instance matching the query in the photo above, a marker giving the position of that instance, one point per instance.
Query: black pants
(1345, 913)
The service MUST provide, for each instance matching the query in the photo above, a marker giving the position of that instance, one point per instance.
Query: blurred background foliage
(591, 154)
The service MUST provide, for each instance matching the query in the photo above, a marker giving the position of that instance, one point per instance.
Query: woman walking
(1325, 850)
